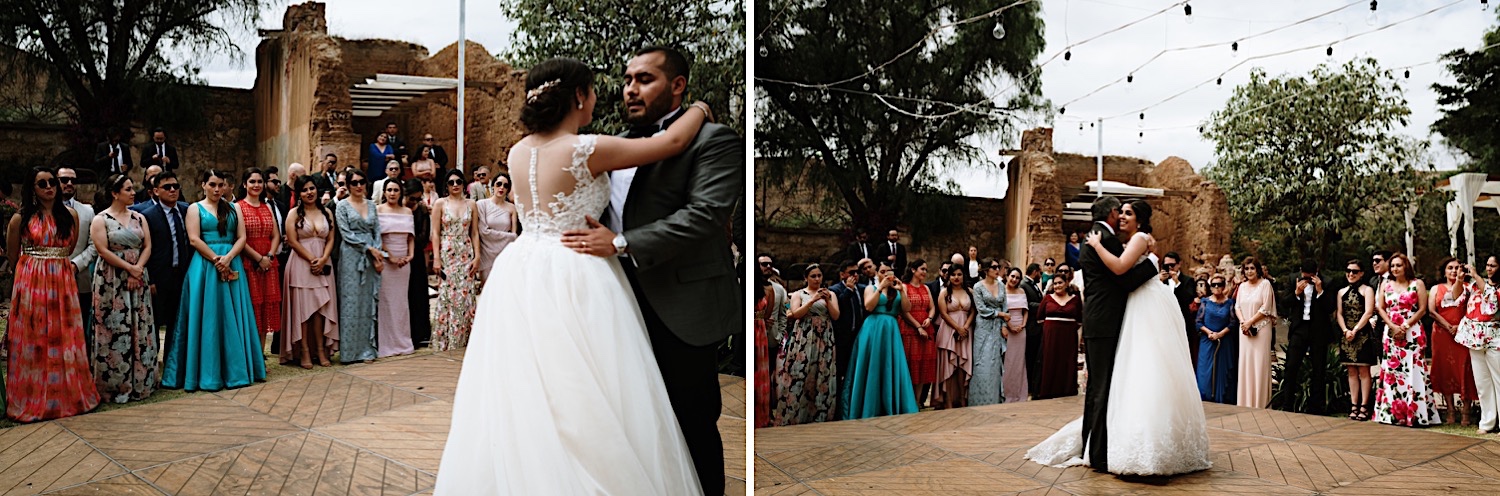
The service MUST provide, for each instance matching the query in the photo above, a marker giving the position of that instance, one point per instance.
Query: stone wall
(492, 106)
(302, 103)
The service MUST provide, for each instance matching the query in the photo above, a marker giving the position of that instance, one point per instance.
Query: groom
(673, 219)
(1105, 293)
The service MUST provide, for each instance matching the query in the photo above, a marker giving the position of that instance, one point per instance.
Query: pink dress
(1013, 383)
(494, 234)
(955, 356)
(1254, 387)
(308, 295)
(393, 312)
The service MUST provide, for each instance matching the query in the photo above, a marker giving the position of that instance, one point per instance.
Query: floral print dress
(1404, 396)
(806, 368)
(459, 290)
(125, 358)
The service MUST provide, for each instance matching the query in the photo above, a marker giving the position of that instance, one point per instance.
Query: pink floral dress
(1404, 396)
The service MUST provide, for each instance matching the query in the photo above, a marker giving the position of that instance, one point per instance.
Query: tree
(605, 34)
(1301, 157)
(1471, 105)
(108, 53)
(879, 160)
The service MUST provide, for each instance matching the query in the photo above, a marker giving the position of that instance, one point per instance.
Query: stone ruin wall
(492, 106)
(302, 103)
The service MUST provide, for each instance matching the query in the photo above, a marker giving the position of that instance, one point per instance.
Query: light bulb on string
(764, 51)
(1067, 56)
(825, 97)
(1129, 78)
(1062, 111)
(818, 4)
(1140, 137)
(1220, 81)
(1374, 17)
(1234, 49)
(867, 86)
(999, 31)
(1330, 50)
(1187, 12)
(1141, 123)
(791, 96)
(1406, 74)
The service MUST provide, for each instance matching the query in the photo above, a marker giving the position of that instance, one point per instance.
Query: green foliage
(605, 34)
(1304, 157)
(1334, 376)
(879, 160)
(1471, 105)
(111, 54)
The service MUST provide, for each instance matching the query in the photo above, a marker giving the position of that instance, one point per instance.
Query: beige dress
(1255, 351)
(495, 233)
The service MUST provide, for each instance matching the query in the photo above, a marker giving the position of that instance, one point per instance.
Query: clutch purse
(229, 276)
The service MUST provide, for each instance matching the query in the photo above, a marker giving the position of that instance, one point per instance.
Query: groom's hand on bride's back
(597, 240)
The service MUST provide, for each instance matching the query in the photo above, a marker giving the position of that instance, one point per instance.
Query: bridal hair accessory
(533, 93)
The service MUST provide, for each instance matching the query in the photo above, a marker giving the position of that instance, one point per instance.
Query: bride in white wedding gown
(1155, 418)
(560, 393)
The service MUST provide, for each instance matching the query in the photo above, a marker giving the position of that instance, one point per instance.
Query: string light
(999, 31)
(764, 51)
(1187, 12)
(1407, 73)
(1330, 50)
(1234, 49)
(1374, 17)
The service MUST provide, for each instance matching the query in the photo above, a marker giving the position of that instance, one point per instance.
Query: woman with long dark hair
(312, 307)
(125, 356)
(262, 243)
(47, 372)
(917, 328)
(989, 336)
(360, 263)
(396, 236)
(1404, 395)
(955, 305)
(215, 344)
(879, 382)
(499, 223)
(417, 297)
(805, 367)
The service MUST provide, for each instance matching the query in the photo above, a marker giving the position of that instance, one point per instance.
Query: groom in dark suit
(1105, 293)
(673, 222)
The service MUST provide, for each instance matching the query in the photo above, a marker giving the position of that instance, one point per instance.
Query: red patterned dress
(47, 373)
(1404, 396)
(265, 286)
(1451, 372)
(921, 353)
(762, 368)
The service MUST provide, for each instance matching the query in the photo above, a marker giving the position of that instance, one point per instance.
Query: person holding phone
(806, 367)
(879, 381)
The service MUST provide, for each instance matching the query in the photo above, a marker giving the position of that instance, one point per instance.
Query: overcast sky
(1112, 56)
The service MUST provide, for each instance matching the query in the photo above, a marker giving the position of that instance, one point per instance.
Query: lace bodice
(565, 210)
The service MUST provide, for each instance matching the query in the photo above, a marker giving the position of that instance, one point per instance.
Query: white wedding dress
(1155, 419)
(560, 392)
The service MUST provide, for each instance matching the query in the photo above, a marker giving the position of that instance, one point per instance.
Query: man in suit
(438, 155)
(84, 254)
(397, 144)
(891, 252)
(327, 178)
(160, 153)
(146, 193)
(113, 156)
(1105, 293)
(673, 219)
(1310, 310)
(1031, 284)
(851, 318)
(1185, 289)
(860, 248)
(169, 245)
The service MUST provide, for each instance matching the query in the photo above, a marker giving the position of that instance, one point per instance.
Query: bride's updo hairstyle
(1142, 215)
(552, 91)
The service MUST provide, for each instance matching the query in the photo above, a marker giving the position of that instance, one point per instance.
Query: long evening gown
(1451, 371)
(921, 353)
(1015, 386)
(459, 290)
(309, 296)
(805, 370)
(216, 345)
(1059, 347)
(396, 231)
(1253, 389)
(47, 371)
(560, 392)
(418, 293)
(1403, 395)
(955, 356)
(125, 356)
(1218, 361)
(879, 383)
(265, 287)
(359, 284)
(989, 346)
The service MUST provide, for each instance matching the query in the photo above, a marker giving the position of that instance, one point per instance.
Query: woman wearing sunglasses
(1218, 344)
(455, 259)
(360, 262)
(47, 371)
(1359, 346)
(498, 224)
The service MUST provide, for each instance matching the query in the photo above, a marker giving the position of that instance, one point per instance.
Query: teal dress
(878, 381)
(215, 345)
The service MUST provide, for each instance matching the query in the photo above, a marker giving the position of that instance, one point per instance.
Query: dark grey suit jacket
(1104, 291)
(676, 218)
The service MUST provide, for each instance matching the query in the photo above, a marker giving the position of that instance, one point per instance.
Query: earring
(580, 105)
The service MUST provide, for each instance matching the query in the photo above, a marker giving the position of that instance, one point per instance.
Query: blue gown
(215, 344)
(878, 381)
(1218, 361)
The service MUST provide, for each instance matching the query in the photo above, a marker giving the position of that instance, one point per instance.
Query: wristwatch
(620, 244)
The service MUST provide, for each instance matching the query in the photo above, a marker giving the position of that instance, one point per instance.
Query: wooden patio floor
(981, 450)
(375, 429)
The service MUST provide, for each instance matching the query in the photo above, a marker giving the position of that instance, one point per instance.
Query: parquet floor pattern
(376, 429)
(982, 450)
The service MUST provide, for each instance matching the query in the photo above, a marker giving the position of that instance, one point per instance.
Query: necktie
(174, 221)
(161, 151)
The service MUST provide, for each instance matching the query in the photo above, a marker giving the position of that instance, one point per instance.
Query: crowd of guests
(141, 289)
(877, 335)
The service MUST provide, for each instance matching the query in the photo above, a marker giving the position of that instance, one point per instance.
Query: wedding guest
(456, 232)
(113, 155)
(860, 248)
(1049, 270)
(126, 360)
(47, 369)
(165, 220)
(1309, 310)
(1481, 335)
(1452, 374)
(851, 316)
(398, 145)
(762, 358)
(426, 159)
(973, 266)
(159, 153)
(955, 307)
(397, 237)
(1014, 386)
(1255, 308)
(806, 365)
(499, 224)
(917, 329)
(1073, 248)
(417, 297)
(428, 177)
(479, 189)
(1032, 283)
(359, 265)
(379, 153)
(1218, 344)
(214, 346)
(262, 243)
(1061, 312)
(392, 175)
(879, 383)
(990, 325)
(435, 151)
(84, 253)
(312, 309)
(1359, 346)
(147, 193)
(1405, 398)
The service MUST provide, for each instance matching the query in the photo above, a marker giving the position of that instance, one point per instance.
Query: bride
(559, 392)
(1156, 424)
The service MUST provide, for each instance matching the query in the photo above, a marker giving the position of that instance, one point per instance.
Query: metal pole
(462, 44)
(1099, 162)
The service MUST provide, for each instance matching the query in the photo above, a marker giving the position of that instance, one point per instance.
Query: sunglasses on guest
(46, 183)
(1219, 284)
(455, 182)
(66, 179)
(170, 187)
